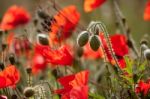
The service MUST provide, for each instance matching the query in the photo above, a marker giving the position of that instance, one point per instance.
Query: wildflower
(147, 12)
(75, 86)
(61, 56)
(13, 17)
(90, 5)
(10, 76)
(66, 21)
(21, 46)
(120, 48)
(143, 87)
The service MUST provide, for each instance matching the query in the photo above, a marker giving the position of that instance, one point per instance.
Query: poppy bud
(12, 59)
(82, 38)
(42, 39)
(4, 46)
(144, 47)
(2, 66)
(147, 54)
(28, 92)
(42, 14)
(29, 70)
(94, 42)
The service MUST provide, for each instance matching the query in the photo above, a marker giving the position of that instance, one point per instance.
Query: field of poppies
(51, 53)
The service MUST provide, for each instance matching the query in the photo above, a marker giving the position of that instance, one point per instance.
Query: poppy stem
(125, 28)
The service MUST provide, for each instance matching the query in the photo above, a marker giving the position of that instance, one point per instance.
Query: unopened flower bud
(12, 59)
(28, 92)
(42, 39)
(147, 54)
(4, 46)
(94, 42)
(29, 70)
(2, 66)
(83, 38)
(144, 47)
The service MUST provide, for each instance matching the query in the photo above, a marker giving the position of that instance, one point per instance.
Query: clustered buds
(91, 35)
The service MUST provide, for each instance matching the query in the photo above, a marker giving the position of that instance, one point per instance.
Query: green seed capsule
(83, 38)
(94, 42)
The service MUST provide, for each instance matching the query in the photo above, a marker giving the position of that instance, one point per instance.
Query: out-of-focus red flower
(10, 38)
(3, 97)
(75, 86)
(61, 56)
(120, 47)
(66, 21)
(21, 46)
(143, 87)
(38, 63)
(13, 17)
(90, 5)
(38, 60)
(147, 11)
(10, 76)
(89, 53)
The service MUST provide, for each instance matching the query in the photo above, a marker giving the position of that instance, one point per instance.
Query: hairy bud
(29, 92)
(83, 38)
(94, 42)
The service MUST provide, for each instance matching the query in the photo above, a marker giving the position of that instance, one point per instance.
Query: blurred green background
(132, 9)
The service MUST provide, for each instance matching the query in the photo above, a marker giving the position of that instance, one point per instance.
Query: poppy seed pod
(94, 42)
(82, 38)
(29, 92)
(42, 39)
(147, 54)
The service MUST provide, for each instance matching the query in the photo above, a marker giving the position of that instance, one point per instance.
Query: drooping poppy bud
(94, 42)
(83, 38)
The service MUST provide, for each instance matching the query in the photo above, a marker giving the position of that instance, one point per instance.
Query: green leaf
(129, 64)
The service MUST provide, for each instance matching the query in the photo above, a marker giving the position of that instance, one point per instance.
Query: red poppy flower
(90, 5)
(66, 21)
(61, 56)
(13, 17)
(10, 76)
(75, 86)
(38, 63)
(38, 60)
(120, 47)
(147, 11)
(89, 53)
(143, 87)
(21, 46)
